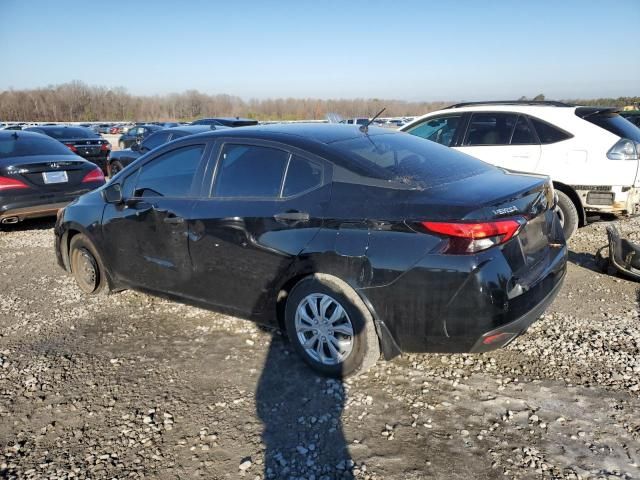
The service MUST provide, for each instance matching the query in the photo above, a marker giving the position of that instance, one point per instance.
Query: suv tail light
(475, 237)
(624, 149)
(94, 175)
(11, 184)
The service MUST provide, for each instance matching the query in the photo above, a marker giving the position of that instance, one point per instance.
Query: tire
(568, 214)
(115, 167)
(356, 352)
(86, 267)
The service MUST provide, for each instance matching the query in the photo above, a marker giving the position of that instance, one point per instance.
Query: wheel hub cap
(324, 329)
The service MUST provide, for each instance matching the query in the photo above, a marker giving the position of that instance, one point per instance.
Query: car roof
(300, 133)
(228, 119)
(4, 134)
(193, 129)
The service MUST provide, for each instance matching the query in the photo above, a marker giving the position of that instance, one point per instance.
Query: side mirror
(135, 147)
(113, 194)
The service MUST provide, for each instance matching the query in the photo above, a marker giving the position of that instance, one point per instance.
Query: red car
(115, 129)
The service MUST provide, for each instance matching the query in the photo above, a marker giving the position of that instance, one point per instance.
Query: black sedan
(354, 240)
(136, 135)
(121, 158)
(81, 141)
(39, 175)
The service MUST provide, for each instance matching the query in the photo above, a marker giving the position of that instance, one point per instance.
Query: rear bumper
(618, 200)
(35, 206)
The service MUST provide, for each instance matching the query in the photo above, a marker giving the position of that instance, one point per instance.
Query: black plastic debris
(624, 256)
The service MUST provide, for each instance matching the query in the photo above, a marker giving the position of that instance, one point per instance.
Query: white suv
(591, 153)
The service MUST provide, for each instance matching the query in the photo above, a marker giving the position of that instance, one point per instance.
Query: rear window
(614, 123)
(26, 145)
(407, 159)
(547, 133)
(70, 133)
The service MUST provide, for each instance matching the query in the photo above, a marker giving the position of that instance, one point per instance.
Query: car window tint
(522, 134)
(548, 133)
(490, 129)
(170, 174)
(302, 175)
(250, 171)
(614, 123)
(127, 185)
(20, 145)
(441, 130)
(155, 140)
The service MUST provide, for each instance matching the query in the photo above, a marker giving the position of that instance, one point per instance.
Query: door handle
(173, 220)
(292, 217)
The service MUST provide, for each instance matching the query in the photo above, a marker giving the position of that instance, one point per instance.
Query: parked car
(632, 115)
(102, 128)
(355, 241)
(356, 121)
(39, 175)
(591, 153)
(226, 122)
(116, 129)
(122, 158)
(80, 141)
(136, 134)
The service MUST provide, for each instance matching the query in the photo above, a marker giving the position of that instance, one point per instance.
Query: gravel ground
(132, 386)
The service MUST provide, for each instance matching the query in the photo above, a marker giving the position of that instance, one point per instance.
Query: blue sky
(411, 50)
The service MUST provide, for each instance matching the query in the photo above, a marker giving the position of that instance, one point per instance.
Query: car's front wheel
(567, 214)
(85, 266)
(330, 327)
(115, 167)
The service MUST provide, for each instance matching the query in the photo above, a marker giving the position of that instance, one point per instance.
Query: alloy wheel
(324, 329)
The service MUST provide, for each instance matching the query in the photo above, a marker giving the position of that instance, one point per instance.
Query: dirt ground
(132, 386)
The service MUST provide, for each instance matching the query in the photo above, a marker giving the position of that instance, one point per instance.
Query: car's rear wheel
(567, 214)
(115, 167)
(330, 327)
(86, 267)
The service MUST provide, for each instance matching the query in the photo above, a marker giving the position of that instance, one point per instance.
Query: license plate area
(534, 238)
(55, 177)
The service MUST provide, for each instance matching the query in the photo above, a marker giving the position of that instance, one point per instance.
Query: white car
(591, 153)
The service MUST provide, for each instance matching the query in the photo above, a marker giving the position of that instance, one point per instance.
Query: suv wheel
(330, 327)
(567, 214)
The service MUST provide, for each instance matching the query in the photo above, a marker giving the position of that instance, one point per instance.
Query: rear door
(148, 234)
(266, 204)
(502, 138)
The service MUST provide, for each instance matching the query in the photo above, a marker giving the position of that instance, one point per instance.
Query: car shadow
(45, 223)
(301, 414)
(584, 260)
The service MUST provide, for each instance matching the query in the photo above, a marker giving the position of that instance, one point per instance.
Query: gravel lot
(132, 386)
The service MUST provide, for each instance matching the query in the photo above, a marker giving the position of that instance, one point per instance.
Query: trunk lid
(32, 169)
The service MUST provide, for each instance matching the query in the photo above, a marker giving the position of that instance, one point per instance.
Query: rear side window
(170, 174)
(302, 175)
(614, 123)
(490, 129)
(250, 171)
(20, 145)
(522, 134)
(441, 130)
(547, 133)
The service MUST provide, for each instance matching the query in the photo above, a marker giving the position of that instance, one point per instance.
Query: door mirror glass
(113, 193)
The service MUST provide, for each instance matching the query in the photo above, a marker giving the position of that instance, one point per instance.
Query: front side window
(171, 174)
(490, 129)
(441, 130)
(250, 171)
(302, 175)
(155, 140)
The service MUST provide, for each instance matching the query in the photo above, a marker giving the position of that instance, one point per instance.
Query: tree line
(78, 102)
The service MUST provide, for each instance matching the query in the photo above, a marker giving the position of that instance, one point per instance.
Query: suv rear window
(614, 123)
(547, 133)
(407, 159)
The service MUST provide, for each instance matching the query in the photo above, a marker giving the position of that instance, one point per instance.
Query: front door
(149, 232)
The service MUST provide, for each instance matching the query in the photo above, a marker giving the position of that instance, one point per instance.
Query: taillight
(105, 147)
(11, 184)
(94, 175)
(71, 147)
(624, 149)
(475, 237)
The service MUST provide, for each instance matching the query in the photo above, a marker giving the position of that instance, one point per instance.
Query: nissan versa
(355, 240)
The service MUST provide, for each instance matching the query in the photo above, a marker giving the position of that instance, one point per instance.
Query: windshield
(615, 124)
(405, 158)
(26, 145)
